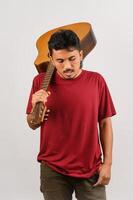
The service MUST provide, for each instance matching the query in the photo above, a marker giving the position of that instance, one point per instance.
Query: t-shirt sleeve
(33, 90)
(106, 106)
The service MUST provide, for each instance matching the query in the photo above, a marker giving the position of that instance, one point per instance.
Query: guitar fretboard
(48, 76)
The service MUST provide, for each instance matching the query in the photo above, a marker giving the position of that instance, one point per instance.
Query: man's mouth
(68, 72)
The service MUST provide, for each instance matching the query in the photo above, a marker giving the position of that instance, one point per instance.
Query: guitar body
(84, 32)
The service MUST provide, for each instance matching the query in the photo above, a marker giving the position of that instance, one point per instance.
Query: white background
(21, 23)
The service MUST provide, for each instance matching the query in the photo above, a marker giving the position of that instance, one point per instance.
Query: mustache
(68, 70)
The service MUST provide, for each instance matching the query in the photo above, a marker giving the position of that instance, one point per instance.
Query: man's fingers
(102, 181)
(46, 114)
(40, 96)
(42, 92)
(49, 93)
(99, 181)
(39, 92)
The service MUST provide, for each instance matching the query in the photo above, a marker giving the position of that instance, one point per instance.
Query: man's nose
(67, 64)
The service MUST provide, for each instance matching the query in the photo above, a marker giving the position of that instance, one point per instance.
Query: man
(77, 122)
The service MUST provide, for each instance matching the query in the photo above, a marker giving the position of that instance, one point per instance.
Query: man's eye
(72, 59)
(60, 61)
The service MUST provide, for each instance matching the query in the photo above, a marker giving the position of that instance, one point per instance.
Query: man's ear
(52, 61)
(81, 55)
(50, 57)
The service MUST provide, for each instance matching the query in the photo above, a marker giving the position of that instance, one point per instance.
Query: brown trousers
(56, 186)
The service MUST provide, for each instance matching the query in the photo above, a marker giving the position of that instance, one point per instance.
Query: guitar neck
(48, 76)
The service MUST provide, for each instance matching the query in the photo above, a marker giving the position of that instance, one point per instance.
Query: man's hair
(64, 39)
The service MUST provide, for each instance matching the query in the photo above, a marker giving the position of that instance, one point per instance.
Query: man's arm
(106, 138)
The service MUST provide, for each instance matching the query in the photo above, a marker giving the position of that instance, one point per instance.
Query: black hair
(64, 39)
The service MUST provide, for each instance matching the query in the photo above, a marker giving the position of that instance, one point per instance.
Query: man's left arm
(106, 138)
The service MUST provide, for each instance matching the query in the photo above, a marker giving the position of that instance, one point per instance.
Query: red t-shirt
(69, 141)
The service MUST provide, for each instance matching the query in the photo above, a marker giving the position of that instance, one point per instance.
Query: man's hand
(104, 175)
(40, 95)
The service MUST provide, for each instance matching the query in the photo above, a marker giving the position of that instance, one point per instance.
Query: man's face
(67, 62)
